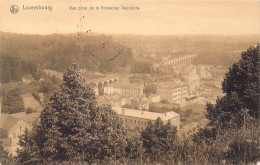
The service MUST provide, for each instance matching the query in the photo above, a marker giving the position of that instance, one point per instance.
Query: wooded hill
(57, 52)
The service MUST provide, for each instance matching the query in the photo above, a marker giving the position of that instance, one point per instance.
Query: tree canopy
(74, 128)
(159, 141)
(241, 88)
(12, 101)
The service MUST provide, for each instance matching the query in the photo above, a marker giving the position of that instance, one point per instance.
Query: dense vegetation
(12, 101)
(142, 67)
(74, 128)
(150, 89)
(14, 68)
(234, 124)
(57, 52)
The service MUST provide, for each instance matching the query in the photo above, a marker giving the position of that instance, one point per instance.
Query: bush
(29, 110)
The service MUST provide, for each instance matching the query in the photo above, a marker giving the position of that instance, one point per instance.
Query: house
(137, 120)
(140, 103)
(191, 78)
(179, 93)
(31, 118)
(174, 93)
(154, 98)
(204, 71)
(10, 130)
(125, 89)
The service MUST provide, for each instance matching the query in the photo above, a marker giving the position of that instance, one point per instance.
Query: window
(138, 122)
(135, 121)
(142, 122)
(125, 120)
(131, 121)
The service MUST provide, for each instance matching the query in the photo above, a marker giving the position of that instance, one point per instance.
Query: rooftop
(7, 122)
(145, 114)
(29, 118)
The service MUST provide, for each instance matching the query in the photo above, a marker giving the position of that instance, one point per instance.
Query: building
(191, 78)
(141, 103)
(126, 89)
(10, 130)
(137, 120)
(174, 93)
(179, 94)
(204, 71)
(154, 98)
(31, 118)
(109, 90)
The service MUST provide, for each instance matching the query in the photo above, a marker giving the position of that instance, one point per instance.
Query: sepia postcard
(151, 82)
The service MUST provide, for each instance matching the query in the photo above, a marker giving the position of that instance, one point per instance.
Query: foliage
(12, 101)
(57, 52)
(134, 148)
(143, 67)
(5, 158)
(14, 68)
(241, 86)
(150, 89)
(74, 128)
(36, 97)
(243, 79)
(29, 110)
(159, 141)
(47, 86)
(234, 127)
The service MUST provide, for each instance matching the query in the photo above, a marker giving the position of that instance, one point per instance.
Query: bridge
(99, 83)
(180, 61)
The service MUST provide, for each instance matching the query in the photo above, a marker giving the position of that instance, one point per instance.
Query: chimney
(123, 111)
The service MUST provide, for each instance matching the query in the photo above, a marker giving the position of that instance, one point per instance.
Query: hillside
(57, 52)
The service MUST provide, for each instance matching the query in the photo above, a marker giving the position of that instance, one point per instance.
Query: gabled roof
(7, 122)
(29, 118)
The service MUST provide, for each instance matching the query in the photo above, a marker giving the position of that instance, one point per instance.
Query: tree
(159, 141)
(46, 86)
(134, 148)
(5, 158)
(243, 79)
(74, 128)
(25, 154)
(241, 87)
(12, 102)
(234, 125)
(150, 89)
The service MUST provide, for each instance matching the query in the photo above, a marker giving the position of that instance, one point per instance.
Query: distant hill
(211, 49)
(57, 52)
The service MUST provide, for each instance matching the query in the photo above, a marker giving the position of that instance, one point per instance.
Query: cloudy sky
(155, 17)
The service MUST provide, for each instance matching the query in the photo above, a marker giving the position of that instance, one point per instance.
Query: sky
(155, 17)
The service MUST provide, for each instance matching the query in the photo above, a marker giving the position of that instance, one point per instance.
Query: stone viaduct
(99, 83)
(180, 61)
